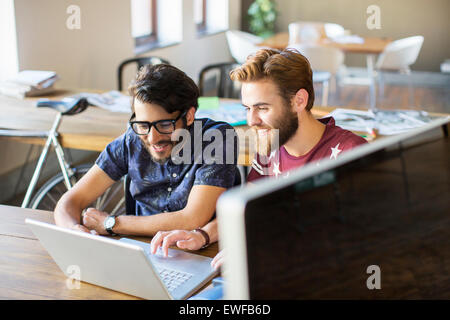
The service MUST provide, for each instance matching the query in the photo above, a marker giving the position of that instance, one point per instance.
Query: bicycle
(112, 201)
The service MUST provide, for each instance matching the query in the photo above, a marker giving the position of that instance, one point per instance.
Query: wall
(399, 18)
(8, 53)
(88, 58)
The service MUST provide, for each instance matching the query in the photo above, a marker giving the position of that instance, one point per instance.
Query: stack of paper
(112, 100)
(386, 122)
(29, 83)
(348, 39)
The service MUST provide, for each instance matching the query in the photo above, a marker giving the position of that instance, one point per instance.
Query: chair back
(216, 78)
(306, 32)
(321, 58)
(333, 30)
(242, 44)
(400, 54)
(139, 62)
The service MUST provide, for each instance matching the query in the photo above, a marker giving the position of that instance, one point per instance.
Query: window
(144, 22)
(156, 23)
(8, 54)
(200, 14)
(210, 16)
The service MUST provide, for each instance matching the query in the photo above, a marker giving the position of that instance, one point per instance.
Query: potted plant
(262, 15)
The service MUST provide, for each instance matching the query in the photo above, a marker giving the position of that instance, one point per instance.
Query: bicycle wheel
(112, 200)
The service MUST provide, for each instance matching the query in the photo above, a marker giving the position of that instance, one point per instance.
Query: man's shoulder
(348, 139)
(345, 138)
(208, 124)
(125, 139)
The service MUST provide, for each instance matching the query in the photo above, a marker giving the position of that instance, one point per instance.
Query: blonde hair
(288, 69)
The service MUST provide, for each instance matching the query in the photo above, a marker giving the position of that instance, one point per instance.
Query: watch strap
(111, 232)
(205, 235)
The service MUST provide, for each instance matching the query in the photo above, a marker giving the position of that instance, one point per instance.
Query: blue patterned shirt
(165, 187)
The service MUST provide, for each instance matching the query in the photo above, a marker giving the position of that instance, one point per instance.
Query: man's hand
(217, 262)
(79, 227)
(93, 220)
(183, 239)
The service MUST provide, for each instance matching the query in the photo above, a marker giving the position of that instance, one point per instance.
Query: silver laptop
(124, 265)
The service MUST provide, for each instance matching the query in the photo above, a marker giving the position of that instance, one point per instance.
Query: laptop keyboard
(173, 278)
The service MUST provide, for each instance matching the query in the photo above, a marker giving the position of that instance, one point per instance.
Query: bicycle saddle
(67, 106)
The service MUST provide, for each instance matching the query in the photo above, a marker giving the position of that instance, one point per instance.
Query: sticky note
(208, 103)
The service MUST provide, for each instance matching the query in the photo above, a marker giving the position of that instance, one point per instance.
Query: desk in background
(370, 45)
(90, 130)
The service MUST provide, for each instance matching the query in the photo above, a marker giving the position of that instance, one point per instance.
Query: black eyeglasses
(162, 126)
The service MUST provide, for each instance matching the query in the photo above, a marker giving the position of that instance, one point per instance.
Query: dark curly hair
(166, 86)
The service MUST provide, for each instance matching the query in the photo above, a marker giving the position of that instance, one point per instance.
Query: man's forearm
(67, 214)
(150, 225)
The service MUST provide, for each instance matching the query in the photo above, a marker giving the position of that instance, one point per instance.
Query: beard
(162, 157)
(158, 157)
(282, 129)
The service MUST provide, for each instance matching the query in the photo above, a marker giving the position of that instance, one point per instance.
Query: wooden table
(28, 272)
(94, 128)
(370, 47)
(90, 130)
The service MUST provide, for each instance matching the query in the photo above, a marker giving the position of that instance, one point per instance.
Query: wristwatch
(205, 235)
(109, 223)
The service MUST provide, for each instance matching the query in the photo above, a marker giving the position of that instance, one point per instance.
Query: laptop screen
(375, 227)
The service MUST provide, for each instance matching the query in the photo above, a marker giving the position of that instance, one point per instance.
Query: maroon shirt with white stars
(334, 141)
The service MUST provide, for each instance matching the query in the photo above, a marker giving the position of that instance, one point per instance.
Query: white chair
(399, 55)
(306, 32)
(333, 30)
(312, 32)
(322, 59)
(242, 44)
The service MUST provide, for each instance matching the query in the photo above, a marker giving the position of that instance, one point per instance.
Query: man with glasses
(168, 194)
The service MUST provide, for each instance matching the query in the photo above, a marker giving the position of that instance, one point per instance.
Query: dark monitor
(374, 224)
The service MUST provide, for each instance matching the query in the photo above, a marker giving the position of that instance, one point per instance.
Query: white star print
(276, 170)
(272, 154)
(334, 152)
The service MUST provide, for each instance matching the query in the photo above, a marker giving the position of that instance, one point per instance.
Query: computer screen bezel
(231, 207)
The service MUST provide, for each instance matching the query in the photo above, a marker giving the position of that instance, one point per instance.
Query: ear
(300, 100)
(190, 115)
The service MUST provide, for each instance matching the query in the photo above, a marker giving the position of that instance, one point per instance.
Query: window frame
(208, 27)
(149, 39)
(202, 26)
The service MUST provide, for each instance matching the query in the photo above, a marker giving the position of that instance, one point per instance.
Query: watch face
(109, 222)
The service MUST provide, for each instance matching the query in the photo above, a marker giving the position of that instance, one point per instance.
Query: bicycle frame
(66, 170)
